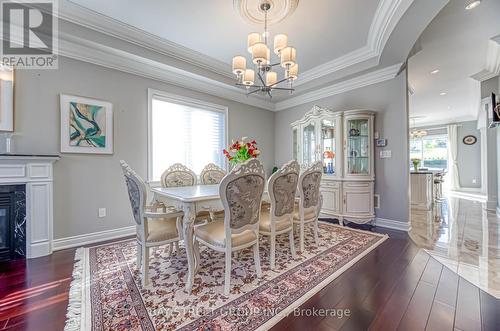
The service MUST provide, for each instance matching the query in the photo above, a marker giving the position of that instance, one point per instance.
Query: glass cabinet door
(309, 144)
(328, 143)
(295, 140)
(358, 162)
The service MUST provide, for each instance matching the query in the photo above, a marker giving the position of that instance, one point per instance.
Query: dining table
(191, 200)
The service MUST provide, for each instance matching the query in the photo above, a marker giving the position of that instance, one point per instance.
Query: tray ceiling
(321, 30)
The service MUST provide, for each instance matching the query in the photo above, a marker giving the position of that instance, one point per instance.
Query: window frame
(185, 101)
(422, 150)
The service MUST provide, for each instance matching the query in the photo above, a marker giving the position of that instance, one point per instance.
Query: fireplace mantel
(34, 171)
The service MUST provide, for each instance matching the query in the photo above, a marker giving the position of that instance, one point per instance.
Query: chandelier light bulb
(253, 38)
(280, 42)
(239, 65)
(288, 56)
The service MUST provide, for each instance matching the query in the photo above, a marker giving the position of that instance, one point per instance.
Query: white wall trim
(370, 78)
(498, 211)
(91, 238)
(392, 224)
(492, 63)
(109, 57)
(387, 15)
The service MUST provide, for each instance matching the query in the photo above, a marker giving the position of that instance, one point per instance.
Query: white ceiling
(321, 30)
(456, 43)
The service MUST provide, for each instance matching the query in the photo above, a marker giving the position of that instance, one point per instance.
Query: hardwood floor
(395, 287)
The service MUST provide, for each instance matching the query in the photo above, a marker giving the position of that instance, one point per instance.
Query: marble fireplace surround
(34, 171)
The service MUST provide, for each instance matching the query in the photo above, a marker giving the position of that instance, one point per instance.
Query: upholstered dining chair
(282, 186)
(310, 201)
(241, 194)
(178, 175)
(211, 174)
(153, 228)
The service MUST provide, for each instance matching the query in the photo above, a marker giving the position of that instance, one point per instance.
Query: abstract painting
(86, 125)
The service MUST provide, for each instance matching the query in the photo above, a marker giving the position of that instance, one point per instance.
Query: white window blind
(182, 132)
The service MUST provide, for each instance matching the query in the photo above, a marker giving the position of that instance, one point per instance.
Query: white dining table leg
(187, 226)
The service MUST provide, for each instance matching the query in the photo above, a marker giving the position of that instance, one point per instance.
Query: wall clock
(469, 140)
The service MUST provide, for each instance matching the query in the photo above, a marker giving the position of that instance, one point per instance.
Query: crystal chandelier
(417, 133)
(267, 80)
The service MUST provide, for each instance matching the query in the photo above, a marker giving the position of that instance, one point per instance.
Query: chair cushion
(265, 222)
(214, 234)
(308, 213)
(161, 229)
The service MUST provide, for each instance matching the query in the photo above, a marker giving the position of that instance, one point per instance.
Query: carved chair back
(282, 187)
(309, 183)
(178, 175)
(211, 174)
(137, 193)
(241, 194)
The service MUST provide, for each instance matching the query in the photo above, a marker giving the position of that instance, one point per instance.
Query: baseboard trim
(92, 238)
(392, 224)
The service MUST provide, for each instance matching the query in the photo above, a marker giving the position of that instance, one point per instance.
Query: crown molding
(370, 78)
(109, 57)
(387, 15)
(77, 14)
(492, 62)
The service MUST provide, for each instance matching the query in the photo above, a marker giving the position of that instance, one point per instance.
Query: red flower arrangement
(241, 151)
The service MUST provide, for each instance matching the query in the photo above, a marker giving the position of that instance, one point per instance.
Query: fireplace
(12, 222)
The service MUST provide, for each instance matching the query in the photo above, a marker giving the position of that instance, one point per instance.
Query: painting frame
(68, 145)
(7, 96)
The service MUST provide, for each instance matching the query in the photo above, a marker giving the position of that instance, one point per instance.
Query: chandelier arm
(238, 84)
(270, 95)
(261, 79)
(281, 81)
(254, 91)
(283, 88)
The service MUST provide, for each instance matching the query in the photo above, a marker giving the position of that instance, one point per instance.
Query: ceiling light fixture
(433, 72)
(257, 45)
(473, 4)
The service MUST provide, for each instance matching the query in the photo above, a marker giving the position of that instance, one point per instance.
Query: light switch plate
(102, 212)
(385, 154)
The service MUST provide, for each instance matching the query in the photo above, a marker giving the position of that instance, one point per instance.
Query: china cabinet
(343, 142)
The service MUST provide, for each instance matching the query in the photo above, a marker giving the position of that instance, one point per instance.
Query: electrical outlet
(102, 212)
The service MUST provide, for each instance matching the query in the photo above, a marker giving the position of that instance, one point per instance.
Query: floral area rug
(106, 292)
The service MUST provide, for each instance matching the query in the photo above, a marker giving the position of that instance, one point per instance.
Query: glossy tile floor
(463, 236)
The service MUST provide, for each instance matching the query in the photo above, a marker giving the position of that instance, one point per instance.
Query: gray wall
(469, 156)
(487, 87)
(389, 100)
(83, 183)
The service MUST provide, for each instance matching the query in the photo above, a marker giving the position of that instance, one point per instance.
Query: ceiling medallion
(251, 12)
(257, 45)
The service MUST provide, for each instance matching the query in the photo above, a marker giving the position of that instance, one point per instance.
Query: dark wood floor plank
(468, 311)
(441, 318)
(448, 287)
(419, 308)
(393, 311)
(490, 312)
